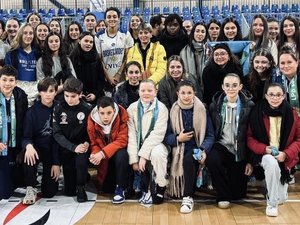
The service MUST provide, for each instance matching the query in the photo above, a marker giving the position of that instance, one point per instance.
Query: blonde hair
(17, 41)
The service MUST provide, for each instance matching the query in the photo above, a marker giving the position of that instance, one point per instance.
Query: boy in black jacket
(39, 143)
(13, 105)
(70, 131)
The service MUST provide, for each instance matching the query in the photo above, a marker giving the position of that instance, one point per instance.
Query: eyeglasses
(278, 95)
(233, 86)
(221, 54)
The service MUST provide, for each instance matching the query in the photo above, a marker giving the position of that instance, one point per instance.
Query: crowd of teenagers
(152, 108)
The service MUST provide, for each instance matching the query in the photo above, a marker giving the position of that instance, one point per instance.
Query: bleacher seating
(243, 13)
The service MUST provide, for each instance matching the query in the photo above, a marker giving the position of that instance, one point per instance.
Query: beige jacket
(156, 135)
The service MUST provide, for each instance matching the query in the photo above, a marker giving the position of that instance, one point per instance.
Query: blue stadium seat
(218, 17)
(205, 11)
(225, 8)
(216, 11)
(176, 10)
(4, 12)
(20, 17)
(186, 16)
(127, 12)
(137, 11)
(61, 12)
(274, 7)
(166, 10)
(12, 12)
(195, 10)
(197, 18)
(51, 10)
(185, 10)
(277, 10)
(156, 10)
(31, 10)
(79, 12)
(206, 18)
(23, 12)
(234, 7)
(214, 7)
(70, 12)
(147, 11)
(245, 8)
(42, 11)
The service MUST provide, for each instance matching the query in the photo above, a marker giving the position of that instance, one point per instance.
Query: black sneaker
(81, 194)
(158, 196)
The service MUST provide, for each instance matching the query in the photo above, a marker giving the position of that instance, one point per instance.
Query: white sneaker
(30, 196)
(224, 204)
(272, 211)
(293, 180)
(187, 205)
(146, 198)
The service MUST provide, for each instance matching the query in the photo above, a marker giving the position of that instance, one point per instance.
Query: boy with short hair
(69, 130)
(13, 105)
(108, 132)
(39, 143)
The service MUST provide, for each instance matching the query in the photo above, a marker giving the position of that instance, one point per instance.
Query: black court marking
(42, 220)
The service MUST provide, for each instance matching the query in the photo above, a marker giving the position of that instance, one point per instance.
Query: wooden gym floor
(249, 211)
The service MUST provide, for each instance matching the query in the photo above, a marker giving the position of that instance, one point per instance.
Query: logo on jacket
(63, 117)
(80, 117)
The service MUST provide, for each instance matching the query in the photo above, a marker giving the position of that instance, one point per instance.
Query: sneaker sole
(118, 202)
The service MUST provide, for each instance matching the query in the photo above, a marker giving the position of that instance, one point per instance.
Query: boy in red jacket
(108, 132)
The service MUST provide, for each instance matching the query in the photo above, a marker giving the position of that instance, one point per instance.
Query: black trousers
(75, 169)
(190, 168)
(118, 171)
(11, 174)
(49, 185)
(6, 176)
(227, 175)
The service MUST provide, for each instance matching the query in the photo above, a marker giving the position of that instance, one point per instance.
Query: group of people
(149, 108)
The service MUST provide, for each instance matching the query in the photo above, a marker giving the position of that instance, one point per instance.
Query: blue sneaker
(119, 196)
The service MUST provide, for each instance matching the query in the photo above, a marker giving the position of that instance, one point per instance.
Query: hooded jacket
(215, 109)
(118, 137)
(110, 143)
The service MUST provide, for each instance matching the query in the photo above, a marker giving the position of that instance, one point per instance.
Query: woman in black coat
(221, 63)
(88, 67)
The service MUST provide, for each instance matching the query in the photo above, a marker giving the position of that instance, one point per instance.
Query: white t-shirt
(113, 49)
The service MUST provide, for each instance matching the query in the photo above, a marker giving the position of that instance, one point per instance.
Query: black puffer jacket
(215, 112)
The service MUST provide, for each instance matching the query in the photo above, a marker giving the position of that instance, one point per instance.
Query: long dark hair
(67, 38)
(191, 36)
(47, 61)
(264, 40)
(254, 77)
(283, 38)
(222, 36)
